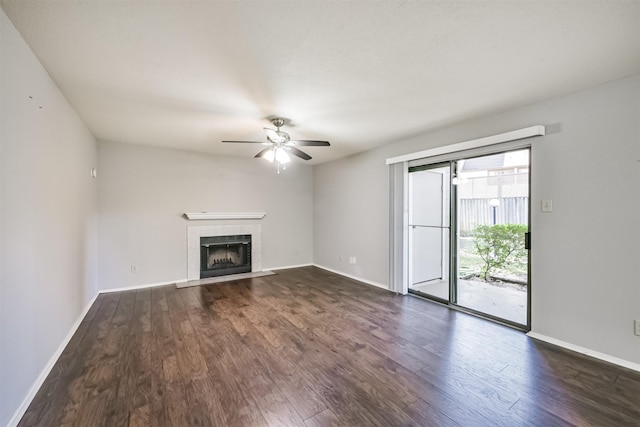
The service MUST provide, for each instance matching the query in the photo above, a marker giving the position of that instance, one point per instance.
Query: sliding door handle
(527, 240)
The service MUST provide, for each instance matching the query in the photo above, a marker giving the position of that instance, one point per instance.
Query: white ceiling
(359, 74)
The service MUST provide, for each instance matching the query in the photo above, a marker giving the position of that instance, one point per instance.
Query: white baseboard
(147, 285)
(350, 276)
(17, 415)
(286, 267)
(583, 350)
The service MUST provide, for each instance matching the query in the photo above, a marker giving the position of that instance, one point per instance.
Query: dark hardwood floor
(307, 347)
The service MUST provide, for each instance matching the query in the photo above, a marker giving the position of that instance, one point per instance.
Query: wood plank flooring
(307, 347)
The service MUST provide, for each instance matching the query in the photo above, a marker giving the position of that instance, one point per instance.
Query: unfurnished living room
(319, 213)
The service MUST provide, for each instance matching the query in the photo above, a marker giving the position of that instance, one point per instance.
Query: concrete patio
(504, 302)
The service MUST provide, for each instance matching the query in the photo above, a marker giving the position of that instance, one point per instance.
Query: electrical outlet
(352, 260)
(547, 206)
(637, 325)
(133, 268)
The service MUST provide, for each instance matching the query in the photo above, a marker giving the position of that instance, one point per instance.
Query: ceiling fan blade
(309, 143)
(245, 142)
(262, 153)
(299, 153)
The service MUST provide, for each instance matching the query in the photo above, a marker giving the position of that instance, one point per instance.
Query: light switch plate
(547, 206)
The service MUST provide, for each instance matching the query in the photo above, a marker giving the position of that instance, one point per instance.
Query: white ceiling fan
(280, 145)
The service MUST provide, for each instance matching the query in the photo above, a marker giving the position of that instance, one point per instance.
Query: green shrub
(499, 245)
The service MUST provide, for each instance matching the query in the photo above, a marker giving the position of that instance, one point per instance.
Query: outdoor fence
(474, 212)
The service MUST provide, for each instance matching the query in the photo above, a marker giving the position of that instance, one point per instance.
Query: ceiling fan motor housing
(278, 122)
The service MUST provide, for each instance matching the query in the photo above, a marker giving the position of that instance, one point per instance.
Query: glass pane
(429, 204)
(430, 261)
(493, 207)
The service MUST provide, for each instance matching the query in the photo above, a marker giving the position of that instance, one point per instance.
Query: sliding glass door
(492, 205)
(467, 233)
(429, 230)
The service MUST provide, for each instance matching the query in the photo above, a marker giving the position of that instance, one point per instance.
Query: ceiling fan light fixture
(280, 145)
(269, 155)
(282, 156)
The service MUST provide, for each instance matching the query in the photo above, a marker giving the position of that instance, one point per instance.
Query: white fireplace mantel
(224, 215)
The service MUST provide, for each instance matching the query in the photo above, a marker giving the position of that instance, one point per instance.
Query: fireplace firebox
(224, 255)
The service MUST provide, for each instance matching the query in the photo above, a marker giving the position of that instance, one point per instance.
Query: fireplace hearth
(224, 255)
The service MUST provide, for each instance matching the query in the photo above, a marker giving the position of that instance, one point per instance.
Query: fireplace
(224, 255)
(194, 249)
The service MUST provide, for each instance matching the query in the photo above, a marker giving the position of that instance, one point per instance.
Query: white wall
(351, 216)
(48, 204)
(144, 191)
(585, 254)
